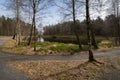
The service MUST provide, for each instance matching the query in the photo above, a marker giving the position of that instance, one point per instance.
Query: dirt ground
(69, 70)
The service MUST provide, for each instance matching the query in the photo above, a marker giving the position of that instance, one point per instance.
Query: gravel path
(7, 56)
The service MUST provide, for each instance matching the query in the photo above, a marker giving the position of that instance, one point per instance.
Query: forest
(103, 28)
(90, 31)
(7, 27)
(59, 39)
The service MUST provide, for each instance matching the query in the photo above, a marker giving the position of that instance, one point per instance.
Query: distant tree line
(7, 27)
(105, 28)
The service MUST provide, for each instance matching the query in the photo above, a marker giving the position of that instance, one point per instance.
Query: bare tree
(16, 5)
(36, 7)
(34, 4)
(75, 11)
(28, 10)
(91, 57)
(31, 30)
(70, 11)
(115, 9)
(74, 22)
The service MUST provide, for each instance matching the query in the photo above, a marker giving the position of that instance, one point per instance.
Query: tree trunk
(31, 30)
(30, 38)
(118, 35)
(34, 23)
(79, 42)
(118, 24)
(14, 36)
(91, 57)
(18, 35)
(119, 30)
(74, 22)
(116, 13)
(94, 43)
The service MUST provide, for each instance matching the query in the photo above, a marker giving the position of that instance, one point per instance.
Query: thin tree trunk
(115, 28)
(91, 57)
(119, 30)
(79, 42)
(115, 33)
(19, 33)
(14, 35)
(18, 24)
(34, 24)
(94, 43)
(31, 30)
(118, 24)
(74, 22)
(30, 38)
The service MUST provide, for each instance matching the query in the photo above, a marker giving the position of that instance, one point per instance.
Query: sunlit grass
(55, 46)
(106, 43)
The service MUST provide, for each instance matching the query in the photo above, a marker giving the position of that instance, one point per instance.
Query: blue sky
(4, 11)
(51, 15)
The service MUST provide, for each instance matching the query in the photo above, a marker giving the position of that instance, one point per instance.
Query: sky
(51, 15)
(4, 11)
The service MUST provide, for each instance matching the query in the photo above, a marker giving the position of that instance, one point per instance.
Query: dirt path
(6, 72)
(7, 56)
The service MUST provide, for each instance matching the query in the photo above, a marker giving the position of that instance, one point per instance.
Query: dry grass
(102, 49)
(10, 43)
(58, 70)
(8, 46)
(11, 47)
(67, 70)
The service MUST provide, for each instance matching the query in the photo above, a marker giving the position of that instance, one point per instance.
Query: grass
(51, 48)
(64, 47)
(55, 46)
(106, 43)
(44, 48)
(11, 47)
